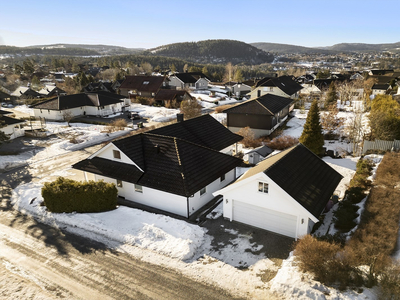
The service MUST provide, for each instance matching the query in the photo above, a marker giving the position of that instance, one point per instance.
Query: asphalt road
(43, 262)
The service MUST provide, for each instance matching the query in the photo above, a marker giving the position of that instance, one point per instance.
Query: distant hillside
(214, 51)
(360, 47)
(68, 49)
(289, 49)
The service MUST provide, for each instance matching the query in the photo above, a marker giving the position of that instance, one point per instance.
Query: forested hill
(214, 51)
(67, 50)
(289, 49)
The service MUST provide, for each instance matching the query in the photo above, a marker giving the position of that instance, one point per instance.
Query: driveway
(274, 246)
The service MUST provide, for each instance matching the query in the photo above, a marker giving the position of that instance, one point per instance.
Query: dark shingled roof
(285, 83)
(100, 98)
(9, 121)
(203, 130)
(169, 95)
(170, 164)
(143, 83)
(384, 87)
(262, 150)
(267, 104)
(303, 175)
(190, 77)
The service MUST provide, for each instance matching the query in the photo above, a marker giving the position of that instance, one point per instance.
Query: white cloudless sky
(152, 23)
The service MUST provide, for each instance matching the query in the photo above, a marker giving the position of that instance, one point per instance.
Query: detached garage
(284, 194)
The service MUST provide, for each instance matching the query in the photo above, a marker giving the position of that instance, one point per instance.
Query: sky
(152, 23)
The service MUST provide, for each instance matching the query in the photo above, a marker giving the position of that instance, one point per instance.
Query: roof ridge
(263, 106)
(180, 165)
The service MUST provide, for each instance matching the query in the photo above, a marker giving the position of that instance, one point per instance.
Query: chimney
(179, 118)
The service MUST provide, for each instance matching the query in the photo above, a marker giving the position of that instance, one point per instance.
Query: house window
(153, 94)
(222, 178)
(138, 188)
(271, 89)
(203, 191)
(263, 187)
(119, 183)
(117, 154)
(146, 82)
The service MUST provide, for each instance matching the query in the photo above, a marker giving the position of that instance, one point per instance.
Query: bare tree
(67, 116)
(190, 108)
(355, 131)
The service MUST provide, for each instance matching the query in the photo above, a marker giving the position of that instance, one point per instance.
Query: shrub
(117, 124)
(282, 142)
(345, 216)
(143, 100)
(355, 194)
(249, 140)
(66, 195)
(327, 262)
(390, 282)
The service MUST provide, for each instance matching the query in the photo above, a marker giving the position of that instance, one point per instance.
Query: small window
(203, 191)
(222, 178)
(117, 154)
(138, 188)
(263, 187)
(119, 183)
(146, 82)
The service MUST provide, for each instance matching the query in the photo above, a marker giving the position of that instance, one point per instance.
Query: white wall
(13, 130)
(198, 201)
(201, 84)
(174, 81)
(151, 197)
(276, 199)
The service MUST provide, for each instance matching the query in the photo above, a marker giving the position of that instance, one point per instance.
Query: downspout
(187, 202)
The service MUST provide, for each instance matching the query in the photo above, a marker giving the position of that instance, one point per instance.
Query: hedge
(66, 195)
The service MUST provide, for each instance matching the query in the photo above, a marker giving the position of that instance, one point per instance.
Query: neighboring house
(286, 193)
(380, 71)
(189, 80)
(263, 115)
(116, 84)
(10, 126)
(143, 86)
(204, 130)
(310, 89)
(4, 96)
(52, 90)
(380, 89)
(283, 86)
(237, 88)
(167, 97)
(164, 171)
(24, 92)
(258, 154)
(98, 86)
(95, 104)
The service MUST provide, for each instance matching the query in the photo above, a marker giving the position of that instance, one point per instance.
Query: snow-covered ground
(177, 244)
(154, 114)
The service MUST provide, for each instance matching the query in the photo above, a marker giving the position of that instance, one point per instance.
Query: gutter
(187, 204)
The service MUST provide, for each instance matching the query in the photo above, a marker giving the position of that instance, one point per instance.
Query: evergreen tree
(312, 136)
(332, 97)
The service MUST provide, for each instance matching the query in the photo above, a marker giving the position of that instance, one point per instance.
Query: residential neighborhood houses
(198, 170)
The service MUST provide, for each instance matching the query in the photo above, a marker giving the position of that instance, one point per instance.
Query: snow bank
(162, 234)
(155, 114)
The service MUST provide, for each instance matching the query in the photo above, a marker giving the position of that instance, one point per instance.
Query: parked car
(135, 116)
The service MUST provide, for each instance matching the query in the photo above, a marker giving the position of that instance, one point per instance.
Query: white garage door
(265, 218)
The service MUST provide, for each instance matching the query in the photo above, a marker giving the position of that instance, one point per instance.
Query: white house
(11, 126)
(192, 80)
(285, 193)
(165, 171)
(380, 89)
(283, 86)
(95, 104)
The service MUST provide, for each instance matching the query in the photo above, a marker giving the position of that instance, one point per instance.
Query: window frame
(116, 154)
(119, 183)
(138, 188)
(222, 178)
(203, 191)
(263, 187)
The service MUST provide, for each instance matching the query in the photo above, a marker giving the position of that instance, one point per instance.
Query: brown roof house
(144, 86)
(263, 115)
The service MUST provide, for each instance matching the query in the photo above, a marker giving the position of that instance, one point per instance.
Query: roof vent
(157, 147)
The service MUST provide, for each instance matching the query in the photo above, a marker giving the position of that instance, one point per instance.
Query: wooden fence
(381, 145)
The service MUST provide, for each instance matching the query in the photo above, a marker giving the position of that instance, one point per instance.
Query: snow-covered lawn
(65, 139)
(155, 114)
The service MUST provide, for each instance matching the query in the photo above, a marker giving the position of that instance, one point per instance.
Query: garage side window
(263, 187)
(138, 188)
(117, 154)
